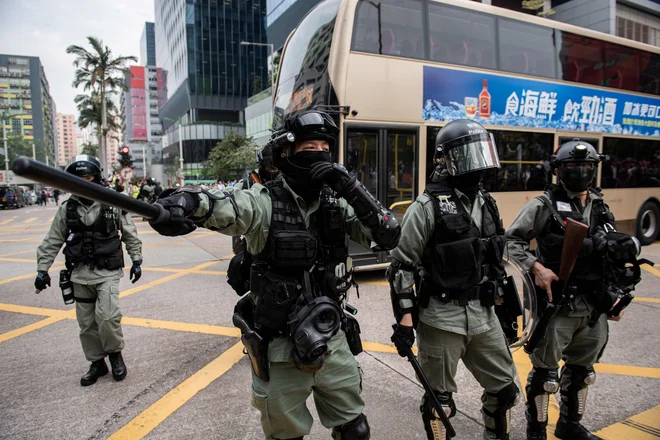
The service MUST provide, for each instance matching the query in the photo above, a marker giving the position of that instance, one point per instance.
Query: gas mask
(313, 326)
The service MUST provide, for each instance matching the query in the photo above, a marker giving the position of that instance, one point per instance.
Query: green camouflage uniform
(337, 385)
(100, 322)
(447, 331)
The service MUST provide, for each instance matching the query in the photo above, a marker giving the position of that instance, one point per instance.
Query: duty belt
(462, 296)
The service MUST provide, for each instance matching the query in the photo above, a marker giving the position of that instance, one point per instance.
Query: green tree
(17, 146)
(92, 150)
(171, 170)
(230, 157)
(99, 70)
(276, 67)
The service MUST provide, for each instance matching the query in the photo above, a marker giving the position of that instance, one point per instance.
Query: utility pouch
(488, 293)
(238, 272)
(67, 287)
(508, 308)
(293, 249)
(352, 331)
(275, 297)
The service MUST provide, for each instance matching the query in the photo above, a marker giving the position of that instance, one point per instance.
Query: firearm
(254, 346)
(39, 172)
(574, 235)
(430, 393)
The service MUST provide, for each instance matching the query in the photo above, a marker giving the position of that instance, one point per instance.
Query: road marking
(648, 300)
(628, 370)
(643, 426)
(650, 269)
(205, 329)
(17, 253)
(153, 416)
(375, 283)
(51, 219)
(28, 328)
(18, 260)
(23, 240)
(27, 275)
(39, 311)
(159, 281)
(378, 347)
(209, 272)
(30, 220)
(4, 222)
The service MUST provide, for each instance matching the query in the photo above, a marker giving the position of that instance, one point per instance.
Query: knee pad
(499, 421)
(541, 383)
(435, 429)
(581, 376)
(356, 429)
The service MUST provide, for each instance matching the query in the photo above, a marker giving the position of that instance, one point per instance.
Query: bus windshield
(303, 79)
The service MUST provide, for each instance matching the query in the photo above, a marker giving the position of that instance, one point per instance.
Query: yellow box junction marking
(4, 222)
(153, 416)
(30, 220)
(56, 266)
(643, 426)
(651, 269)
(160, 281)
(28, 328)
(648, 300)
(205, 329)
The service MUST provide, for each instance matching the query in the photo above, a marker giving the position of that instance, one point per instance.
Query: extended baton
(429, 392)
(41, 173)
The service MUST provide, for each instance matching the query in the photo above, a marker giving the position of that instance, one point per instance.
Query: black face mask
(296, 169)
(468, 183)
(86, 202)
(576, 180)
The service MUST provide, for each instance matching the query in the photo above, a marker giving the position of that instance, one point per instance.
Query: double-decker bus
(393, 72)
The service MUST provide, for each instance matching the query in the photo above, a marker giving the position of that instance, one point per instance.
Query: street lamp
(178, 121)
(272, 61)
(5, 119)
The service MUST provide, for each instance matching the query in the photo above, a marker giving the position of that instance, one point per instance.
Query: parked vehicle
(12, 197)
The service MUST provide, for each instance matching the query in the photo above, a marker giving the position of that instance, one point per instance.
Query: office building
(210, 74)
(66, 138)
(25, 95)
(147, 92)
(148, 45)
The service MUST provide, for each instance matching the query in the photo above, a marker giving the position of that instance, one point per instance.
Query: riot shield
(517, 319)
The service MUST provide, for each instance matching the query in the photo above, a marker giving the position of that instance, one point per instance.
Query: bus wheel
(648, 223)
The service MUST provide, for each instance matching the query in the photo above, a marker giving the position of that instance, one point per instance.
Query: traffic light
(125, 158)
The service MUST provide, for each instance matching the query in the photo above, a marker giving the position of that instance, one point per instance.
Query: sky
(45, 28)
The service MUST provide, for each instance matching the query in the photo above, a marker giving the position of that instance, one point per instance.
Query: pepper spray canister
(67, 287)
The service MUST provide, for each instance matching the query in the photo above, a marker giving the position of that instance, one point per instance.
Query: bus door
(384, 160)
(595, 141)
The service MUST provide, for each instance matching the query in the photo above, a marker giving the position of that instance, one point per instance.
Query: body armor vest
(551, 240)
(299, 262)
(460, 254)
(97, 245)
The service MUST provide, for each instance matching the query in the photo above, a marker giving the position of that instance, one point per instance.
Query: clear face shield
(471, 153)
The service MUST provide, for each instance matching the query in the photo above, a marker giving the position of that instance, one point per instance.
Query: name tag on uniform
(563, 206)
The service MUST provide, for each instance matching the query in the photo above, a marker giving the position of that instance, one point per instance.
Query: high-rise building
(148, 45)
(66, 138)
(283, 16)
(25, 95)
(147, 92)
(113, 145)
(210, 73)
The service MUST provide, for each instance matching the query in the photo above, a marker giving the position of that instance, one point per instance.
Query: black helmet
(267, 170)
(150, 181)
(463, 146)
(84, 165)
(576, 178)
(304, 126)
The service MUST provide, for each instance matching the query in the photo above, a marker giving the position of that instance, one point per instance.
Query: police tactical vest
(298, 260)
(551, 240)
(460, 254)
(97, 245)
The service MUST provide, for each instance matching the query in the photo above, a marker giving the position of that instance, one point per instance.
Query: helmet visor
(471, 153)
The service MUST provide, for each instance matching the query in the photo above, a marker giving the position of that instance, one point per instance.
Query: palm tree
(98, 70)
(90, 109)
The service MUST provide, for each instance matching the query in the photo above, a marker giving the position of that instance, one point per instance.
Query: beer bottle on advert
(484, 101)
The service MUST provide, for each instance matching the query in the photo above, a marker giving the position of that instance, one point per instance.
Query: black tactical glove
(180, 205)
(403, 338)
(42, 281)
(333, 174)
(136, 272)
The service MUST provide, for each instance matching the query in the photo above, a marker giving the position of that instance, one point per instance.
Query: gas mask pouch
(312, 326)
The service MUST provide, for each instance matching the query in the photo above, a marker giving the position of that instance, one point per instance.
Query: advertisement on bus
(451, 94)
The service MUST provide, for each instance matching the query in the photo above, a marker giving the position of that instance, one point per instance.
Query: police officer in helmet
(92, 234)
(297, 335)
(451, 250)
(577, 334)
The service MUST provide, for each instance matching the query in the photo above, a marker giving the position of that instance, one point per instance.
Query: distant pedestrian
(56, 197)
(44, 197)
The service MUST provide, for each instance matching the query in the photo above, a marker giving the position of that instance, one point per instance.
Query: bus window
(461, 36)
(622, 67)
(362, 158)
(524, 159)
(389, 27)
(581, 59)
(650, 73)
(401, 146)
(526, 48)
(630, 163)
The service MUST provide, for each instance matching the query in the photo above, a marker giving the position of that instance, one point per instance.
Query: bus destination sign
(451, 94)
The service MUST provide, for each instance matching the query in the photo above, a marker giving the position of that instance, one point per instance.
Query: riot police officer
(451, 248)
(92, 234)
(298, 338)
(569, 336)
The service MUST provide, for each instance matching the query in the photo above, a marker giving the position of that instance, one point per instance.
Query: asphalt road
(188, 377)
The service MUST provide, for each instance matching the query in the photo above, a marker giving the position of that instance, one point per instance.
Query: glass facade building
(148, 45)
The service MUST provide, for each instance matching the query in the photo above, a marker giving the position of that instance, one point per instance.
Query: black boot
(573, 430)
(118, 366)
(96, 370)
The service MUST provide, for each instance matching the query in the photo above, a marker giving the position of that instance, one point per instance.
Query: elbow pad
(384, 227)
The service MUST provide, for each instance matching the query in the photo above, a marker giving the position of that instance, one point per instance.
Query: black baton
(41, 173)
(429, 392)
